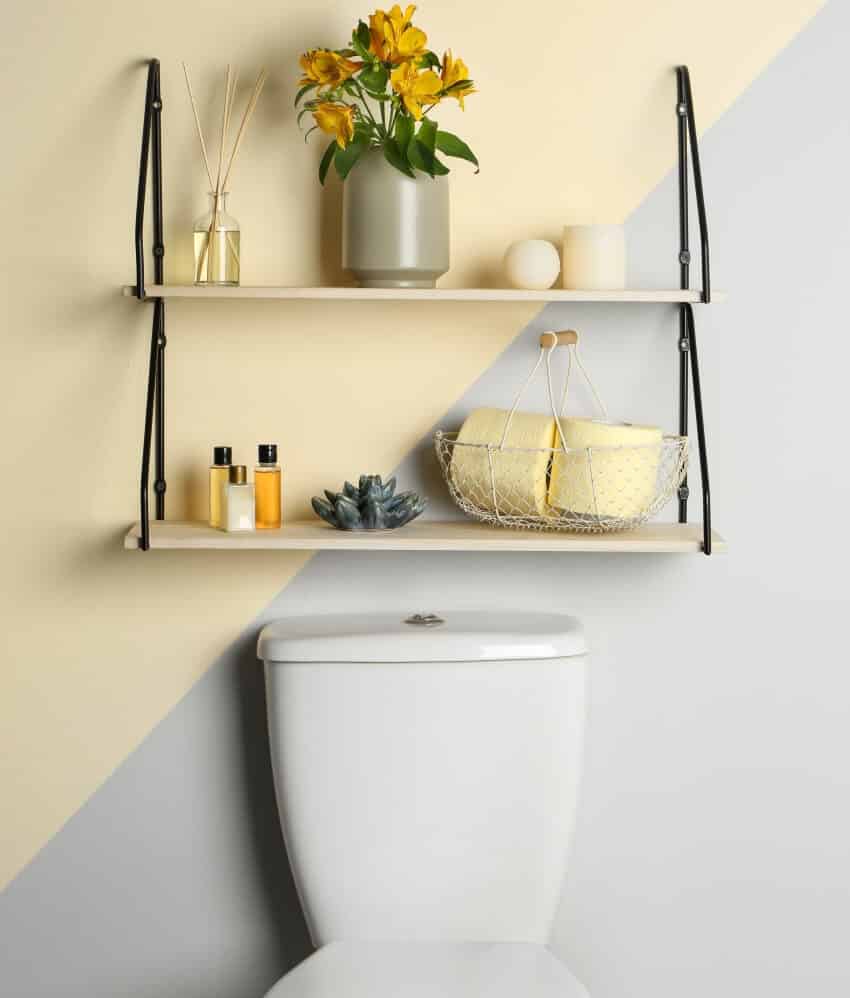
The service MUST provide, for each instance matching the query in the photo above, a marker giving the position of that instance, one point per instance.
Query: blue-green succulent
(369, 505)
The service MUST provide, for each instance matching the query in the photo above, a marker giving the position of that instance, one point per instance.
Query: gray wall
(711, 852)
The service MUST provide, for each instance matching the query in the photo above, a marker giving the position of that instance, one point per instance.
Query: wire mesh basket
(589, 488)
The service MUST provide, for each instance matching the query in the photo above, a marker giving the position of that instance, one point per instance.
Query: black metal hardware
(703, 457)
(151, 158)
(687, 142)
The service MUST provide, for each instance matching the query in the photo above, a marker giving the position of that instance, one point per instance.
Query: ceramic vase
(395, 228)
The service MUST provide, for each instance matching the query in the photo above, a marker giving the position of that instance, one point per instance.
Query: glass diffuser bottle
(217, 244)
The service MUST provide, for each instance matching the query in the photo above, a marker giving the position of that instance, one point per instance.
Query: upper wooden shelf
(416, 294)
(423, 535)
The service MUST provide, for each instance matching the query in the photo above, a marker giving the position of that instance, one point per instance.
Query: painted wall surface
(711, 853)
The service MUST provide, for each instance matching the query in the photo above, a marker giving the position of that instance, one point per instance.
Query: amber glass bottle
(267, 486)
(219, 471)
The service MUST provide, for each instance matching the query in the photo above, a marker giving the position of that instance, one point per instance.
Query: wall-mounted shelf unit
(422, 535)
(242, 293)
(428, 535)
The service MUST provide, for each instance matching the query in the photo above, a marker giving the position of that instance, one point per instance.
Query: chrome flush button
(424, 620)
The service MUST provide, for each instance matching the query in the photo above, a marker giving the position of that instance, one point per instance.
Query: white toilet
(426, 773)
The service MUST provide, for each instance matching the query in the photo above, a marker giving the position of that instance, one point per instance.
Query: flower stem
(366, 107)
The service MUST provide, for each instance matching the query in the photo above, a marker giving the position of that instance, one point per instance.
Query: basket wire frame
(589, 489)
(610, 488)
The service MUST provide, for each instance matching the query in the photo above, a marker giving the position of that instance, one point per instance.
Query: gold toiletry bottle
(219, 471)
(267, 486)
(238, 509)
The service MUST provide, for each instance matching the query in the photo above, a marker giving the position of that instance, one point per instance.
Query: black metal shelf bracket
(687, 341)
(151, 159)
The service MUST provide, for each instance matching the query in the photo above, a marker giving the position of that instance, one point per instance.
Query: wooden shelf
(415, 294)
(423, 535)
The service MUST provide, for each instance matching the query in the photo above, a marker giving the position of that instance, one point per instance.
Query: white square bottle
(238, 500)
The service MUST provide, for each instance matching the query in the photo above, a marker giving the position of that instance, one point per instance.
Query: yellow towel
(520, 477)
(618, 479)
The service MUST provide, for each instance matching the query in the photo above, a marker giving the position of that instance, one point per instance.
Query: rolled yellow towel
(615, 478)
(519, 476)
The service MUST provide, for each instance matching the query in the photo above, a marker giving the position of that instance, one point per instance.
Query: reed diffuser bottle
(217, 244)
(216, 234)
(267, 488)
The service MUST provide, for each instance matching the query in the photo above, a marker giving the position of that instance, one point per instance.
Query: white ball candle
(532, 264)
(594, 257)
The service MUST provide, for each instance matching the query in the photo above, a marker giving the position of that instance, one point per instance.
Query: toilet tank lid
(449, 637)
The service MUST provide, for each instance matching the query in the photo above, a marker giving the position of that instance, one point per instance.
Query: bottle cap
(267, 453)
(222, 455)
(238, 474)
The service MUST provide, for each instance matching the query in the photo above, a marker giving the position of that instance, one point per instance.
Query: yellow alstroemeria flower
(455, 70)
(336, 120)
(393, 37)
(326, 68)
(416, 88)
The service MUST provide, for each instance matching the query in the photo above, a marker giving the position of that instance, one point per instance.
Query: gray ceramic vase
(395, 229)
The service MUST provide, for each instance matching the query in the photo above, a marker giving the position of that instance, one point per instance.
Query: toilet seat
(361, 969)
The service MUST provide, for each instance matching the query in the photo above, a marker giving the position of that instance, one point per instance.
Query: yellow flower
(336, 120)
(455, 70)
(393, 38)
(415, 88)
(326, 68)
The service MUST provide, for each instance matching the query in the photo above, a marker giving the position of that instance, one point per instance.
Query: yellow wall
(573, 122)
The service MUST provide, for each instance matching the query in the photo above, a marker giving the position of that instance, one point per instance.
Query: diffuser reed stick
(249, 110)
(225, 163)
(198, 125)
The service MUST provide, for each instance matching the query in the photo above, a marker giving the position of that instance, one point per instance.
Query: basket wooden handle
(564, 338)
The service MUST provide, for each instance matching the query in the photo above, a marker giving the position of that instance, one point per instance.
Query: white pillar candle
(593, 257)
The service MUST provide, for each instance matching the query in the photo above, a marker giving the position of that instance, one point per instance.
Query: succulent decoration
(380, 92)
(369, 505)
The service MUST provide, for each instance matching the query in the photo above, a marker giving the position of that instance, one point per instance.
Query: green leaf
(451, 145)
(363, 131)
(325, 164)
(420, 151)
(415, 158)
(421, 158)
(360, 40)
(309, 132)
(374, 78)
(403, 130)
(393, 155)
(301, 113)
(440, 169)
(344, 159)
(304, 90)
(427, 134)
(458, 85)
(430, 61)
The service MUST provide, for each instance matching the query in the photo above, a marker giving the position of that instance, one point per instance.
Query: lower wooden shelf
(423, 535)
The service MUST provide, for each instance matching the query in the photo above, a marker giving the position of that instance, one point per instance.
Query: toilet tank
(426, 773)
